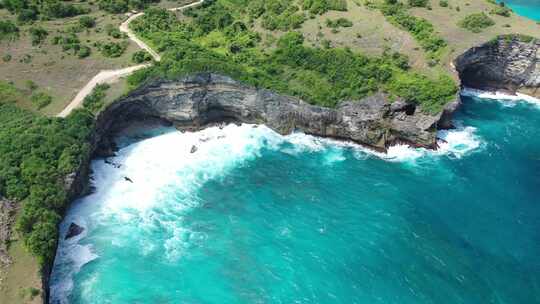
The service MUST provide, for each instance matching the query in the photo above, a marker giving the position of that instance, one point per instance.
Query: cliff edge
(507, 63)
(193, 102)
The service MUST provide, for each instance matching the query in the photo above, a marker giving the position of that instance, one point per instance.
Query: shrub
(476, 22)
(418, 3)
(94, 101)
(84, 51)
(501, 11)
(30, 85)
(112, 49)
(122, 6)
(37, 35)
(141, 56)
(8, 30)
(71, 43)
(443, 3)
(6, 58)
(421, 29)
(322, 6)
(41, 100)
(113, 31)
(340, 22)
(87, 22)
(57, 9)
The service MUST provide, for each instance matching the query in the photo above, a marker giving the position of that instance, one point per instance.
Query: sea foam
(505, 98)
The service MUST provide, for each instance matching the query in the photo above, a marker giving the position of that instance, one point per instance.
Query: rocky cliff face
(197, 101)
(507, 63)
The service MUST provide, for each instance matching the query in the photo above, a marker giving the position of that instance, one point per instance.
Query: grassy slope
(445, 21)
(20, 277)
(59, 74)
(377, 33)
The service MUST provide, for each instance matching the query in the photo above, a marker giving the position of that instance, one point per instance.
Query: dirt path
(111, 76)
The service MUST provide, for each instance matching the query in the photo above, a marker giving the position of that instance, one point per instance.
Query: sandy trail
(111, 76)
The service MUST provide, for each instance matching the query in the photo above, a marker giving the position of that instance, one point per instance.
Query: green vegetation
(40, 100)
(87, 22)
(112, 49)
(443, 3)
(35, 155)
(421, 29)
(501, 10)
(8, 30)
(322, 76)
(418, 3)
(122, 6)
(37, 35)
(95, 101)
(280, 15)
(141, 56)
(29, 293)
(340, 22)
(30, 10)
(323, 6)
(84, 51)
(476, 22)
(513, 37)
(113, 31)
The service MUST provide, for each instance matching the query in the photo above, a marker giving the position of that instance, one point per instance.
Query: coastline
(118, 114)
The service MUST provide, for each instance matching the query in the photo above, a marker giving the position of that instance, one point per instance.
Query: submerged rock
(73, 230)
(193, 149)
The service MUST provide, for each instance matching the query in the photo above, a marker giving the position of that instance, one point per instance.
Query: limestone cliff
(199, 100)
(507, 63)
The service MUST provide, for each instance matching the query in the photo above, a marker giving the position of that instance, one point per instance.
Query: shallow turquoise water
(253, 217)
(526, 8)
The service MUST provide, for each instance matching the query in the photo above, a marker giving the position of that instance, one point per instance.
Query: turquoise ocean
(526, 8)
(256, 217)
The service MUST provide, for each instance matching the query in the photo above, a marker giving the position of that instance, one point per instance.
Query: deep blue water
(254, 217)
(526, 8)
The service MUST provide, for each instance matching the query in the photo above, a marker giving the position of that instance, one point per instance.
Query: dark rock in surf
(193, 149)
(73, 230)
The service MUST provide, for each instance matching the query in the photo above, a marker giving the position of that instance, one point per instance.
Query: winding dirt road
(111, 76)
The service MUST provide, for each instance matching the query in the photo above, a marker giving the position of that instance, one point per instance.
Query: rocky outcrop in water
(73, 231)
(507, 63)
(197, 101)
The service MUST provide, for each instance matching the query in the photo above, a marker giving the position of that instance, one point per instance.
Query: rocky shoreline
(197, 101)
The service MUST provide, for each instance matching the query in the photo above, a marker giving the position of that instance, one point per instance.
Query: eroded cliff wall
(507, 63)
(196, 101)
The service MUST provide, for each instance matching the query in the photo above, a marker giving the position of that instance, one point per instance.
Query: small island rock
(73, 230)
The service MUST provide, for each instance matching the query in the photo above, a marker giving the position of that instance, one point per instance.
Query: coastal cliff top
(50, 55)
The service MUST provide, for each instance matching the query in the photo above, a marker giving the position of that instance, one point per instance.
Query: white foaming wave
(458, 142)
(159, 169)
(70, 258)
(453, 143)
(504, 98)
